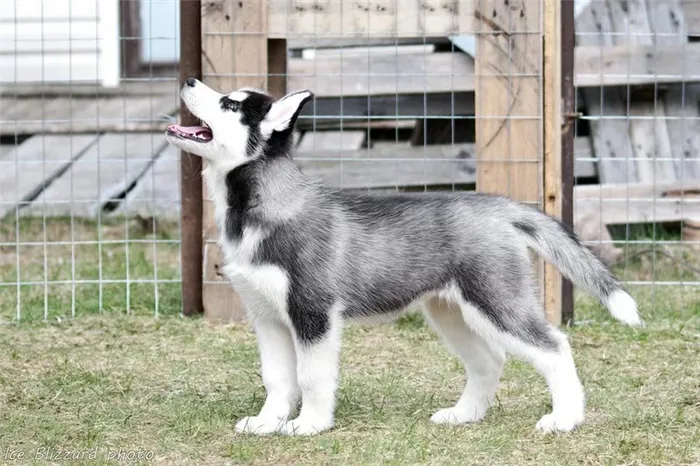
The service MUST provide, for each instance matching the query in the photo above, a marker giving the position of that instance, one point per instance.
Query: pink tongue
(192, 130)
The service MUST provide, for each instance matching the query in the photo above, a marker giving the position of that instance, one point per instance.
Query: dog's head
(239, 126)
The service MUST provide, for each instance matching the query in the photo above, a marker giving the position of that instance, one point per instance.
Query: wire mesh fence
(90, 197)
(637, 94)
(409, 96)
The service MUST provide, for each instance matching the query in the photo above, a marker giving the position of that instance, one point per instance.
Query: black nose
(191, 82)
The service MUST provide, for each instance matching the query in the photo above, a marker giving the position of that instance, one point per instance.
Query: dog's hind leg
(278, 364)
(523, 331)
(482, 361)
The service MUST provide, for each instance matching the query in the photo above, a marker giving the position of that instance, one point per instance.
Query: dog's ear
(284, 112)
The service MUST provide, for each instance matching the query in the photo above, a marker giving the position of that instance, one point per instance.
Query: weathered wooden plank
(647, 119)
(378, 74)
(234, 54)
(391, 166)
(367, 18)
(611, 142)
(552, 173)
(106, 170)
(612, 191)
(157, 192)
(331, 140)
(636, 65)
(29, 167)
(79, 115)
(618, 204)
(691, 11)
(508, 67)
(133, 87)
(680, 101)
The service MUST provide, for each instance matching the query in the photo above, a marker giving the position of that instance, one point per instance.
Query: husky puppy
(304, 258)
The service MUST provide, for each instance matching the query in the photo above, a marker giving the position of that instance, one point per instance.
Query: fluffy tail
(561, 247)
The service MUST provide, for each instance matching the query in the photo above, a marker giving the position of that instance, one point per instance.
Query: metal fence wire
(409, 96)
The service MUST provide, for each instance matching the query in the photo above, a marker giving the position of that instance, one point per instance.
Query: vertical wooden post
(552, 169)
(508, 101)
(190, 168)
(234, 55)
(568, 108)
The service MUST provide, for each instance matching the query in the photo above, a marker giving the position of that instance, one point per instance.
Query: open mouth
(193, 133)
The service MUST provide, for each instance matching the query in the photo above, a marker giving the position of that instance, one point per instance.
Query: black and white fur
(303, 258)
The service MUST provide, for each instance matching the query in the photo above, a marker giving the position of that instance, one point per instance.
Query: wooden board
(234, 54)
(633, 64)
(383, 74)
(647, 118)
(328, 112)
(105, 171)
(157, 192)
(85, 115)
(161, 85)
(28, 168)
(508, 132)
(331, 141)
(691, 11)
(552, 173)
(391, 166)
(680, 101)
(619, 204)
(611, 142)
(368, 18)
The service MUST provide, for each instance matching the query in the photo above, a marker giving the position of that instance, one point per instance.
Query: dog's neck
(264, 191)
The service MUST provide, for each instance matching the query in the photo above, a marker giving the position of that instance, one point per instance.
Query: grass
(170, 389)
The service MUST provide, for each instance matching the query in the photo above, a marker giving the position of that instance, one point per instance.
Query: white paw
(259, 425)
(552, 423)
(305, 427)
(455, 416)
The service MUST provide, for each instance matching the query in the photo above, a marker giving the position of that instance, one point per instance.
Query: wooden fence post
(234, 55)
(190, 168)
(518, 112)
(552, 169)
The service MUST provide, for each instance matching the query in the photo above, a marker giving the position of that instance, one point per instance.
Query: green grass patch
(171, 389)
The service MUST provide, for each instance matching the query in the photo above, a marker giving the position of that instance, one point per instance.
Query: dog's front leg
(278, 361)
(317, 373)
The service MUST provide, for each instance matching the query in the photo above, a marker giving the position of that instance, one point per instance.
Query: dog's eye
(230, 104)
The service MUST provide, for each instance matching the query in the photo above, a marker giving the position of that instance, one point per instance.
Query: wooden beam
(376, 74)
(234, 55)
(681, 100)
(611, 142)
(508, 102)
(634, 64)
(552, 161)
(620, 204)
(388, 165)
(377, 18)
(647, 118)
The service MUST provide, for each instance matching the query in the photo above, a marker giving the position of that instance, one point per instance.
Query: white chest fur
(263, 288)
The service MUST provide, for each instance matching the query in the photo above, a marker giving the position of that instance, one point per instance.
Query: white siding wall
(57, 41)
